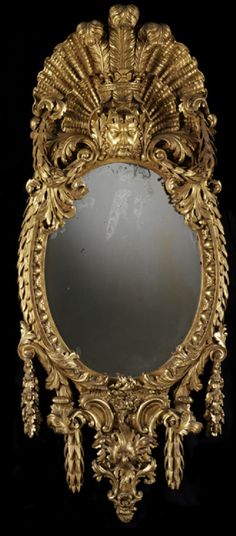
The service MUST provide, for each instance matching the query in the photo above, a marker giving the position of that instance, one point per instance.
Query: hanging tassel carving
(74, 460)
(214, 413)
(64, 420)
(178, 423)
(30, 400)
(174, 460)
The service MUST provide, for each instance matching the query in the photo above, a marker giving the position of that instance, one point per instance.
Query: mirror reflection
(123, 276)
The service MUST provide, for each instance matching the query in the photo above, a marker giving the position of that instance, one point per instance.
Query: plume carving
(118, 93)
(123, 81)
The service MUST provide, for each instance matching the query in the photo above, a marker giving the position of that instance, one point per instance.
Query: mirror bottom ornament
(124, 439)
(125, 416)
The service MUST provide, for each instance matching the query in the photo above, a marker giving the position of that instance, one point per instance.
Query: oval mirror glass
(123, 275)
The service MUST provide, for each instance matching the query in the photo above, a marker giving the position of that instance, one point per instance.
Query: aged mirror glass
(119, 273)
(122, 261)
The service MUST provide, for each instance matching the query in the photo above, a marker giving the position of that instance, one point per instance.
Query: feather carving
(93, 36)
(122, 21)
(92, 72)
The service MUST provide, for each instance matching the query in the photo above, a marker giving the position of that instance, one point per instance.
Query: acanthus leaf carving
(139, 97)
(124, 457)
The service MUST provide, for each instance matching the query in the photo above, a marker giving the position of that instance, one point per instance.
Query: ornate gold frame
(133, 96)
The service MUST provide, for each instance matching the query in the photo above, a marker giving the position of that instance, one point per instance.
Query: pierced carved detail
(30, 400)
(135, 96)
(124, 457)
(214, 414)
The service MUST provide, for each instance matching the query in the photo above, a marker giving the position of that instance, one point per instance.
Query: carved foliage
(136, 96)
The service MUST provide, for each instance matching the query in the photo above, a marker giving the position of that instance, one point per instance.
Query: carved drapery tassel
(64, 420)
(174, 460)
(74, 460)
(30, 400)
(214, 413)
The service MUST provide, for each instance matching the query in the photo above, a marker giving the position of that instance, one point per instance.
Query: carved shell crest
(143, 79)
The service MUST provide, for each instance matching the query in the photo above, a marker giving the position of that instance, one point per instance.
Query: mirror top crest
(121, 94)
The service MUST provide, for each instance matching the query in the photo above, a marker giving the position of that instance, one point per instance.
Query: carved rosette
(121, 94)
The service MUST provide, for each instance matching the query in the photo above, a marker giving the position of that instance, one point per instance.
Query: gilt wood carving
(117, 93)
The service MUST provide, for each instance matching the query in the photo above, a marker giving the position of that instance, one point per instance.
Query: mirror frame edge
(124, 410)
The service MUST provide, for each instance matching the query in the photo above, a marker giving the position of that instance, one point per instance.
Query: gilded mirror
(122, 261)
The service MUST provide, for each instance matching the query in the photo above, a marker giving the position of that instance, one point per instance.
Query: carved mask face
(122, 135)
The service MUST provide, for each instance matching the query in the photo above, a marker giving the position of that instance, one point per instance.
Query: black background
(38, 492)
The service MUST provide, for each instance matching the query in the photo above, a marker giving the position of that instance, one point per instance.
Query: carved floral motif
(136, 96)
